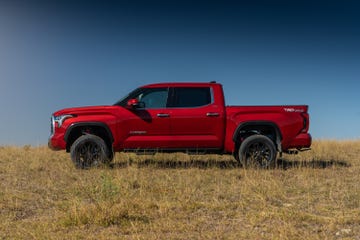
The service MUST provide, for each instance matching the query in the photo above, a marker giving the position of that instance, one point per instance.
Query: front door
(148, 127)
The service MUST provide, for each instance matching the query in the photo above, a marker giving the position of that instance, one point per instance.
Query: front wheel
(257, 151)
(89, 151)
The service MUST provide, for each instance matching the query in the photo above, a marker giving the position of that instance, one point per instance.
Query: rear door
(196, 121)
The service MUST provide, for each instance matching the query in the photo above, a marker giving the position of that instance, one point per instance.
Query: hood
(86, 110)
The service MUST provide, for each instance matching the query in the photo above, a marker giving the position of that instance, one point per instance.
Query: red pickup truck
(172, 117)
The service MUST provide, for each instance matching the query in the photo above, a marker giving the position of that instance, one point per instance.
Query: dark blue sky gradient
(56, 54)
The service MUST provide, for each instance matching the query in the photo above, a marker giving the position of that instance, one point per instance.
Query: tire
(257, 151)
(89, 151)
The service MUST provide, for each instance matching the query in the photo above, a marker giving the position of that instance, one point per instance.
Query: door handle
(212, 114)
(163, 115)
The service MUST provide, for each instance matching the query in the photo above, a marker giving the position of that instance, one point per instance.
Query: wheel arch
(266, 128)
(99, 129)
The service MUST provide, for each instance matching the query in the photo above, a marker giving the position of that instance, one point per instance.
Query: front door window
(154, 98)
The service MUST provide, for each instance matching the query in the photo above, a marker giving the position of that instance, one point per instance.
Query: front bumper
(51, 145)
(56, 142)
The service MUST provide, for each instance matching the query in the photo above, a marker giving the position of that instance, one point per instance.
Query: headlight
(61, 118)
(52, 126)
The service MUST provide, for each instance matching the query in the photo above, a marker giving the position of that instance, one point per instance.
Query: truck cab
(173, 117)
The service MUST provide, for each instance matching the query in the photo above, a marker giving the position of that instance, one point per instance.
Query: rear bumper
(301, 141)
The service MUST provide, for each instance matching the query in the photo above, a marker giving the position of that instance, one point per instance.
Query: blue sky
(57, 54)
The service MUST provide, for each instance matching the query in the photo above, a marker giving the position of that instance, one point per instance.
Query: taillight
(305, 122)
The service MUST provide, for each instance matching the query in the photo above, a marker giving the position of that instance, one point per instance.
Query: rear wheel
(89, 151)
(257, 151)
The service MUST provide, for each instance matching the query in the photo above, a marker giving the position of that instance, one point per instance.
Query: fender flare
(261, 123)
(91, 124)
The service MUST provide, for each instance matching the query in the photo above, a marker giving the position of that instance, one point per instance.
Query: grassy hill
(313, 195)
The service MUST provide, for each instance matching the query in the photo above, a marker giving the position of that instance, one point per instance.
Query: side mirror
(134, 103)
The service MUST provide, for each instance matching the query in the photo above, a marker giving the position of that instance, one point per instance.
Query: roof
(180, 84)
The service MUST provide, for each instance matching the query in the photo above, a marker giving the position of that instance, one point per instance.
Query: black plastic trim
(191, 151)
(261, 123)
(254, 123)
(84, 124)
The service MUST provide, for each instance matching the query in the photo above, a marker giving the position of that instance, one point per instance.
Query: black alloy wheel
(89, 151)
(257, 151)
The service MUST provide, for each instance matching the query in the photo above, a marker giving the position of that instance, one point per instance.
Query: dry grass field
(313, 195)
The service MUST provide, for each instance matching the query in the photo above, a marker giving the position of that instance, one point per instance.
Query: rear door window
(183, 97)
